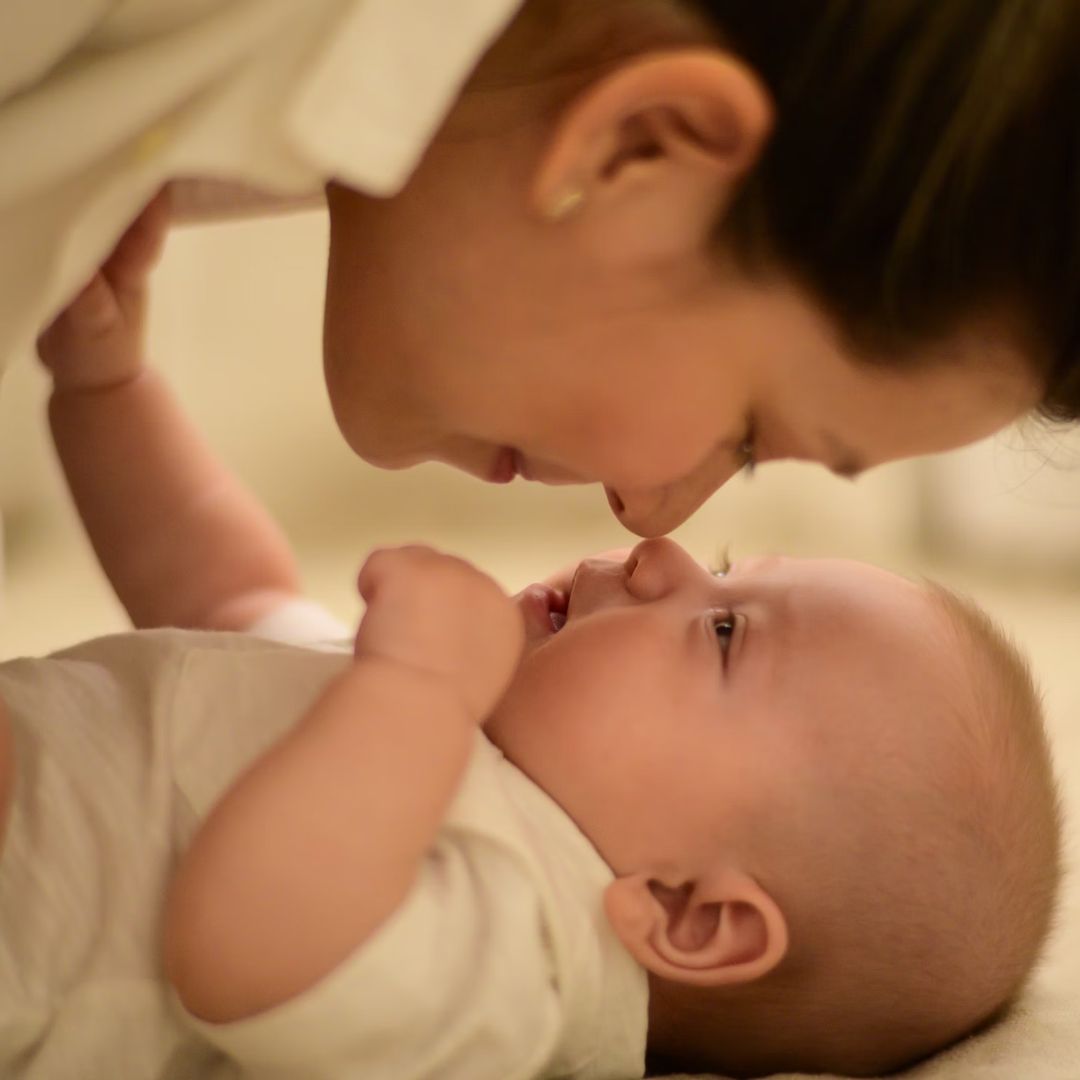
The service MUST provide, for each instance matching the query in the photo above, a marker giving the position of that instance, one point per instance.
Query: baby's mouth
(544, 608)
(558, 600)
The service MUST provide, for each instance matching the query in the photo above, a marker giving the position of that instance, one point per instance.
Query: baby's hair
(918, 919)
(1018, 756)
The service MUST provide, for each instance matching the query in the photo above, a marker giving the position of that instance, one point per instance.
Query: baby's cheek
(546, 705)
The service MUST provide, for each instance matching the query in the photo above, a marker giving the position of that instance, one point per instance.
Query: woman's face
(445, 343)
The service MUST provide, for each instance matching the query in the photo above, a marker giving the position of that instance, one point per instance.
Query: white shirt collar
(380, 89)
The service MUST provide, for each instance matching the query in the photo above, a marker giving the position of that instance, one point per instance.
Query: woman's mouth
(507, 466)
(511, 462)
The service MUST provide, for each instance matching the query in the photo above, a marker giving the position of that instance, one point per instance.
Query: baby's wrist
(76, 384)
(413, 685)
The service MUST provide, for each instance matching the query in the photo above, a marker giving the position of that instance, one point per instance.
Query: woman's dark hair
(925, 168)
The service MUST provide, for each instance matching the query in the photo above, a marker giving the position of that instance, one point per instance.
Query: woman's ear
(722, 930)
(661, 129)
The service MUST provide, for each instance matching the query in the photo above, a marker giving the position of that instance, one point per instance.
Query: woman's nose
(656, 511)
(656, 568)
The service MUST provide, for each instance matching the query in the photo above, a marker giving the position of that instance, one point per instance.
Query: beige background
(236, 324)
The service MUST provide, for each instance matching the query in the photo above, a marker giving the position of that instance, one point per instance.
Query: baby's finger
(92, 314)
(140, 247)
(372, 572)
(94, 310)
(384, 563)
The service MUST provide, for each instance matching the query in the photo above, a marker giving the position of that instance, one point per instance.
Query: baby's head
(825, 792)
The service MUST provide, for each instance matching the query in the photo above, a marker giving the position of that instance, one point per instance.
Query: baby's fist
(97, 341)
(441, 616)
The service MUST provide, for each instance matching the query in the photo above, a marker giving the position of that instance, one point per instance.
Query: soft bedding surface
(1040, 1042)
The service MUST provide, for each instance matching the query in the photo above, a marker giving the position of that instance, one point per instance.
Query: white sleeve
(302, 622)
(456, 985)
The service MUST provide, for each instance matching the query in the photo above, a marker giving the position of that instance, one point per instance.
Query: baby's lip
(544, 610)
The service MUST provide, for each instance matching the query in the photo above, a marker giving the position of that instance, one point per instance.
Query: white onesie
(498, 964)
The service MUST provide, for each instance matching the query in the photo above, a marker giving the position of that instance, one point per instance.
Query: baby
(797, 815)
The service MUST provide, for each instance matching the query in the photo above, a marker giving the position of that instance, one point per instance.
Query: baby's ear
(721, 930)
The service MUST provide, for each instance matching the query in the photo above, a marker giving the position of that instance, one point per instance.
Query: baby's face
(671, 700)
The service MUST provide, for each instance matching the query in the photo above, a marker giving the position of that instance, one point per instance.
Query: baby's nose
(657, 567)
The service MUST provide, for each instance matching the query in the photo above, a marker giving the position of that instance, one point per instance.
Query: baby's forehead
(855, 586)
(846, 664)
(830, 617)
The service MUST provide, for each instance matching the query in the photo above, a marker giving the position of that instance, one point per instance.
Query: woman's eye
(747, 464)
(747, 452)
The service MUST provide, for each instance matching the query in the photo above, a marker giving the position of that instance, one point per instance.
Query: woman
(640, 243)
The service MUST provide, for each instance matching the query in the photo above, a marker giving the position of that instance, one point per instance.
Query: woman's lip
(510, 462)
(543, 472)
(506, 467)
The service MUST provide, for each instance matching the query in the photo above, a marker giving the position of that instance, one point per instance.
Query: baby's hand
(440, 615)
(97, 340)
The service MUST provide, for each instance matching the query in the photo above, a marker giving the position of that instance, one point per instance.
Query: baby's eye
(724, 628)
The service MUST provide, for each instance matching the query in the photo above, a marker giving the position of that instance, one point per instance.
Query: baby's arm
(181, 540)
(319, 842)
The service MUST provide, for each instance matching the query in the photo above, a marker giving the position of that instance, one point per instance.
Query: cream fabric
(303, 622)
(500, 963)
(102, 101)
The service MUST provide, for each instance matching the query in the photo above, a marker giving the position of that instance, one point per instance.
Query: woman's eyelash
(746, 452)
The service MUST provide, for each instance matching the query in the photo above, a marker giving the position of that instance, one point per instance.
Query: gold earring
(565, 204)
